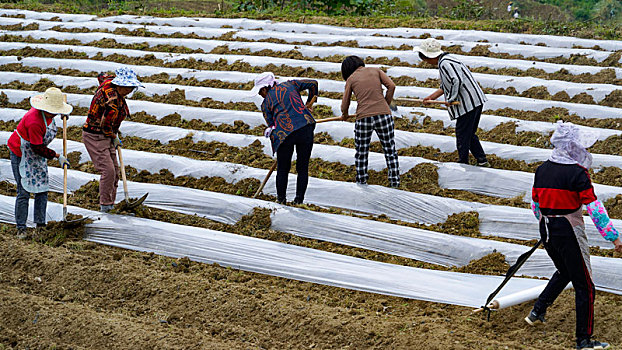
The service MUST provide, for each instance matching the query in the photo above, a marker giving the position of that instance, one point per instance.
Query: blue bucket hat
(126, 77)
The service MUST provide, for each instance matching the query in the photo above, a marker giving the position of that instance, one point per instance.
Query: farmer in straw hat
(457, 84)
(290, 124)
(100, 133)
(561, 187)
(29, 154)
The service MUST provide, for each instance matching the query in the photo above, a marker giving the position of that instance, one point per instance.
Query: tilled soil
(55, 297)
(59, 291)
(479, 50)
(607, 75)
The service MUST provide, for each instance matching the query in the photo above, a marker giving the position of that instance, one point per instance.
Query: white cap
(263, 80)
(430, 48)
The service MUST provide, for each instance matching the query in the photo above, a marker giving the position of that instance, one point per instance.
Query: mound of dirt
(57, 233)
(491, 264)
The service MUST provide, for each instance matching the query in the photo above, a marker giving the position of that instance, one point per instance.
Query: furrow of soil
(502, 133)
(131, 299)
(614, 99)
(478, 50)
(422, 178)
(605, 76)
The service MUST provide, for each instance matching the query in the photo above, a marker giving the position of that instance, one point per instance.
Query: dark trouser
(302, 139)
(466, 127)
(384, 127)
(21, 202)
(564, 249)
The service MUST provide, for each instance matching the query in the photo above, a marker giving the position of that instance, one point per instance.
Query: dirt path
(93, 296)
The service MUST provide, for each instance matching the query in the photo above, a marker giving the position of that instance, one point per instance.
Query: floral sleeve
(535, 207)
(599, 216)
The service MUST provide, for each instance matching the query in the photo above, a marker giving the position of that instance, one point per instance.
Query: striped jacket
(458, 84)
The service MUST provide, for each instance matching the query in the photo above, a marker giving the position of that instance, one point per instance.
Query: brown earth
(479, 50)
(53, 297)
(605, 76)
(614, 99)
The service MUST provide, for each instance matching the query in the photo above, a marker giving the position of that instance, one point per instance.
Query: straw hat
(51, 101)
(430, 48)
(263, 80)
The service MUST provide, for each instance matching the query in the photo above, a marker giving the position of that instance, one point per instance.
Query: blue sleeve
(267, 111)
(307, 84)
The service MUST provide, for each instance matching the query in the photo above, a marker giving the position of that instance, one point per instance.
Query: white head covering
(571, 143)
(262, 80)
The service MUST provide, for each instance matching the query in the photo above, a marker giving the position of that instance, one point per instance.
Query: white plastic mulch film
(521, 84)
(428, 246)
(375, 200)
(301, 263)
(494, 101)
(284, 260)
(492, 182)
(267, 25)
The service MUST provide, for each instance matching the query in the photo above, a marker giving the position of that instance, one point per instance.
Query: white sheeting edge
(527, 51)
(427, 246)
(447, 34)
(285, 260)
(487, 181)
(487, 122)
(369, 199)
(443, 143)
(365, 199)
(197, 93)
(243, 23)
(471, 61)
(521, 84)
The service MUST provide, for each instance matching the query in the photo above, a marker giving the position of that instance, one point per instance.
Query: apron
(33, 168)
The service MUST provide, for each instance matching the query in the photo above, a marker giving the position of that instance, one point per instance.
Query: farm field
(204, 265)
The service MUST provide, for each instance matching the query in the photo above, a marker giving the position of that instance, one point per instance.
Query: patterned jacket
(284, 110)
(108, 109)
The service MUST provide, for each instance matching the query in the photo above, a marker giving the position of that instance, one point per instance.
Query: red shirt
(32, 129)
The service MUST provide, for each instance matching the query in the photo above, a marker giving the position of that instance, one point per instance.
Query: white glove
(63, 162)
(268, 131)
(116, 142)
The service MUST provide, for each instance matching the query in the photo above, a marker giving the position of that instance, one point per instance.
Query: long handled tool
(405, 99)
(263, 183)
(393, 106)
(64, 117)
(508, 275)
(75, 222)
(126, 202)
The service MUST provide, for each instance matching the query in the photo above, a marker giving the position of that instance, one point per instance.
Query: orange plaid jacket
(108, 109)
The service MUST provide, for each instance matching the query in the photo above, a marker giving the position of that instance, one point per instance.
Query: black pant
(466, 127)
(303, 140)
(564, 249)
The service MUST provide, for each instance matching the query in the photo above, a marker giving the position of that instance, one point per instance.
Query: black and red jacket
(562, 189)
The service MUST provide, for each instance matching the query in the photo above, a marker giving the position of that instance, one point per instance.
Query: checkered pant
(384, 126)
